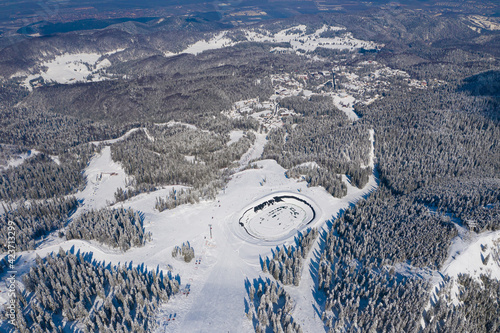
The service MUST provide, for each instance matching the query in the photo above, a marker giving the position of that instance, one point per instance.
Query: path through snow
(255, 151)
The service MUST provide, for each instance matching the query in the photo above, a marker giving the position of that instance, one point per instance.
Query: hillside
(308, 173)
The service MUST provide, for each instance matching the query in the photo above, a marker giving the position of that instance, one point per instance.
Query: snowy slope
(213, 283)
(70, 68)
(484, 22)
(218, 41)
(344, 102)
(234, 136)
(467, 255)
(299, 40)
(90, 67)
(471, 260)
(19, 159)
(123, 137)
(103, 178)
(255, 150)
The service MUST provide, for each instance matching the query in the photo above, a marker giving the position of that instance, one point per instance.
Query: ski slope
(344, 103)
(104, 176)
(213, 289)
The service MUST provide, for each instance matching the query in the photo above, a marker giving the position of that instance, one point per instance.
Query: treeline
(119, 228)
(270, 307)
(334, 143)
(34, 220)
(49, 132)
(40, 177)
(430, 137)
(132, 190)
(361, 297)
(315, 176)
(477, 310)
(159, 89)
(286, 263)
(377, 230)
(193, 195)
(437, 154)
(98, 297)
(184, 196)
(363, 290)
(180, 156)
(441, 147)
(476, 201)
(315, 105)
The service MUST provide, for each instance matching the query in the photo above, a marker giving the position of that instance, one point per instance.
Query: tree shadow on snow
(318, 294)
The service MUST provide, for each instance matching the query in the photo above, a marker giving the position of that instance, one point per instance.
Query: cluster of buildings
(362, 82)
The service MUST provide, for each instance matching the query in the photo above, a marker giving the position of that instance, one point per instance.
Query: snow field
(473, 259)
(217, 42)
(468, 255)
(104, 176)
(296, 36)
(216, 276)
(345, 102)
(300, 41)
(255, 150)
(19, 159)
(484, 22)
(70, 68)
(235, 136)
